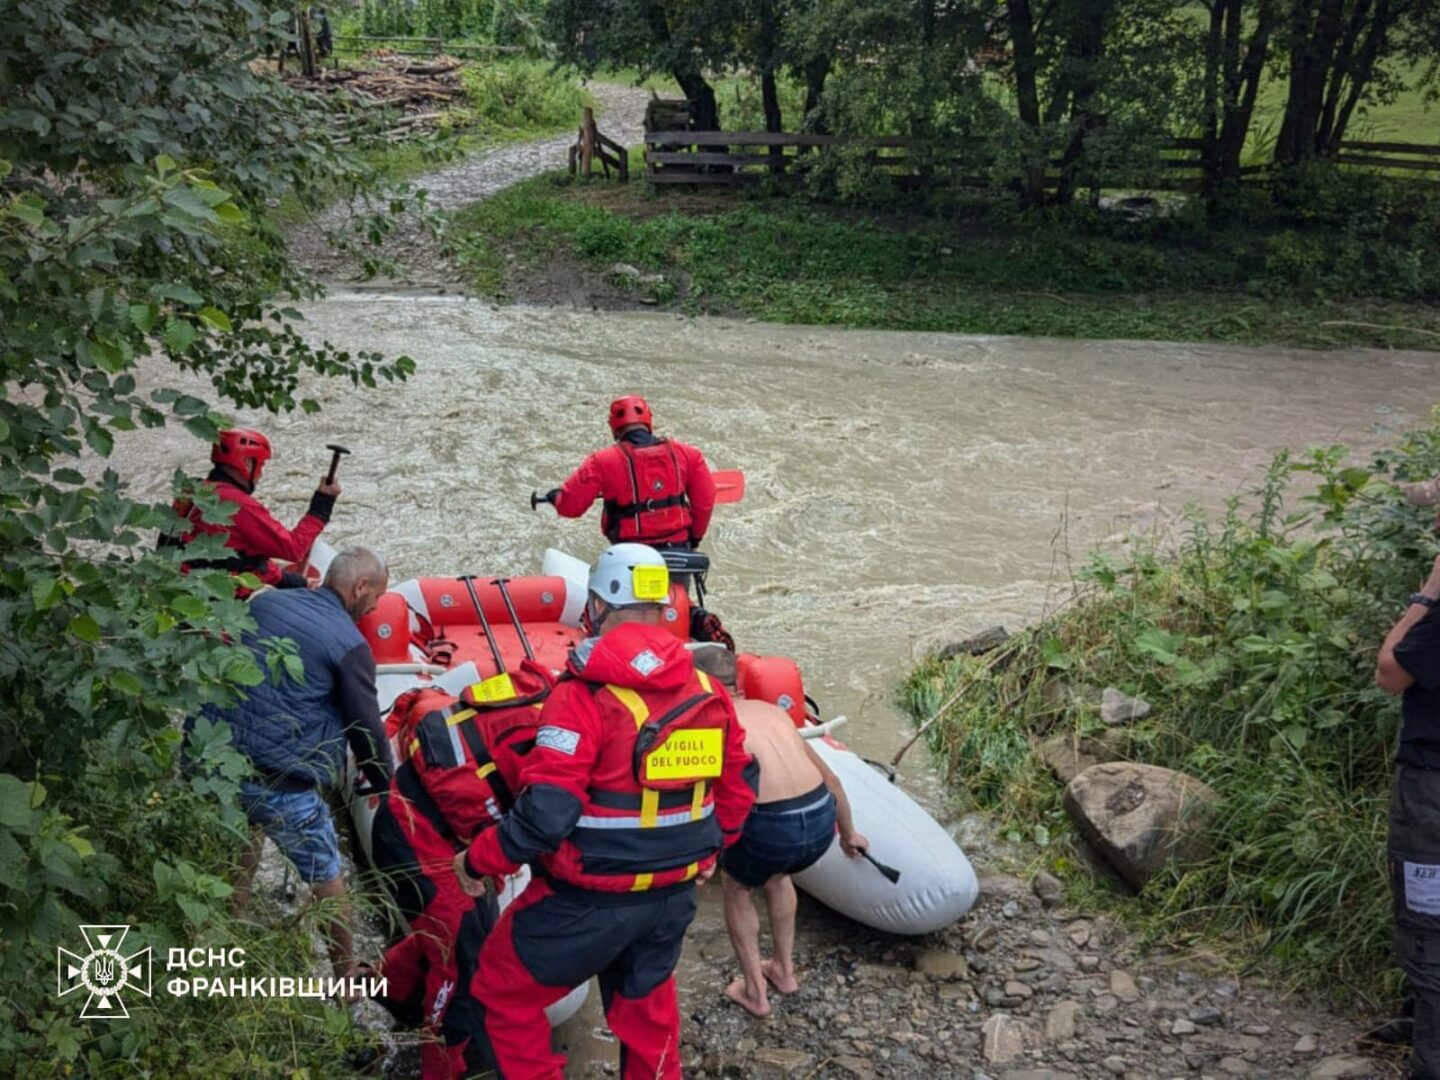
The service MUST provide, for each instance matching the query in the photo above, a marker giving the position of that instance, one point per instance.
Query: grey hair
(350, 566)
(714, 659)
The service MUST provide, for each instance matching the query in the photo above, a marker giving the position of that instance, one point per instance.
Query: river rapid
(904, 489)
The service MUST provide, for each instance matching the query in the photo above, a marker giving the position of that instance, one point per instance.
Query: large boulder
(1141, 816)
(1068, 753)
(987, 640)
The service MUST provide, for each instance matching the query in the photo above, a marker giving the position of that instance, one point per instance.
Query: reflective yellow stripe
(704, 681)
(414, 745)
(649, 808)
(632, 701)
(642, 882)
(460, 717)
(697, 801)
(485, 770)
(691, 871)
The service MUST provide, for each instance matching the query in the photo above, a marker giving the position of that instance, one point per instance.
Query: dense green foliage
(1289, 270)
(139, 148)
(1254, 637)
(501, 22)
(519, 99)
(1044, 100)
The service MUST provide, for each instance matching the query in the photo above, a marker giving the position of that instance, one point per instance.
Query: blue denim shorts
(300, 824)
(782, 837)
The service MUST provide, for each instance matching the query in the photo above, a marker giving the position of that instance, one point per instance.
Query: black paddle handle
(469, 580)
(891, 874)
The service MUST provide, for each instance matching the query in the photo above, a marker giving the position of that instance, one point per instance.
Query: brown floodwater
(904, 489)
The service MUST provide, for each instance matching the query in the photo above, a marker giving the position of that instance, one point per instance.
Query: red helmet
(242, 449)
(628, 410)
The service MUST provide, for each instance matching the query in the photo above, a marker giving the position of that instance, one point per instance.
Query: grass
(983, 270)
(1254, 639)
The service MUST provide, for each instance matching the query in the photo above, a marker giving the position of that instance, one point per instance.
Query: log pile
(419, 88)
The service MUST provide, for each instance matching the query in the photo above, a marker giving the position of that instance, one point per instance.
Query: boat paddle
(729, 485)
(469, 580)
(729, 488)
(891, 874)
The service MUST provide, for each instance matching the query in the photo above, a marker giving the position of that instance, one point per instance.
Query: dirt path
(621, 114)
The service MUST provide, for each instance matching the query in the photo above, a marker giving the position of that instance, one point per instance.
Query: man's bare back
(786, 769)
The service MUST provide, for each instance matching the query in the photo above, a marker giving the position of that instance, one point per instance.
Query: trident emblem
(104, 971)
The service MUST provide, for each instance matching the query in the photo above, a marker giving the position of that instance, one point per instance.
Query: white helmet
(630, 574)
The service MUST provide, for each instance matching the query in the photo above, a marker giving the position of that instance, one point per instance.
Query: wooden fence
(742, 157)
(590, 146)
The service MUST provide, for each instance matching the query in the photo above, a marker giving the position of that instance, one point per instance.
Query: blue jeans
(300, 824)
(782, 837)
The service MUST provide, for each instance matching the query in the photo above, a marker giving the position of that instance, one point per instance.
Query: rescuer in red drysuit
(638, 778)
(656, 491)
(253, 533)
(459, 763)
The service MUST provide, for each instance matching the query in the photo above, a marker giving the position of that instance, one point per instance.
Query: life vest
(655, 507)
(461, 756)
(648, 819)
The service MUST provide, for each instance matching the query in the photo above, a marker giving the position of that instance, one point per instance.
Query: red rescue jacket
(655, 492)
(254, 534)
(639, 775)
(460, 759)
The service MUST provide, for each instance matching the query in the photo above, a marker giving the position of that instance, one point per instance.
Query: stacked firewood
(419, 88)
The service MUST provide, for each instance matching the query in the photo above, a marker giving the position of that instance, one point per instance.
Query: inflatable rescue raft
(431, 632)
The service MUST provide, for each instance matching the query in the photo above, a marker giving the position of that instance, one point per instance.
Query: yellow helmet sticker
(496, 688)
(652, 583)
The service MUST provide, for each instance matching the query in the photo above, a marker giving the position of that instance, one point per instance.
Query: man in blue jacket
(296, 733)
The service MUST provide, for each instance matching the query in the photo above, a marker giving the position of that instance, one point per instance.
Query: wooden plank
(1387, 163)
(704, 157)
(1392, 147)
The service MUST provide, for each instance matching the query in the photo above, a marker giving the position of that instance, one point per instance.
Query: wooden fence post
(587, 141)
(309, 64)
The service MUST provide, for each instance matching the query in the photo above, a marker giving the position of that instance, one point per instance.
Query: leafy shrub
(521, 96)
(1255, 641)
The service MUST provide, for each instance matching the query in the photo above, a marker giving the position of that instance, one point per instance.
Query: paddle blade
(729, 485)
(891, 874)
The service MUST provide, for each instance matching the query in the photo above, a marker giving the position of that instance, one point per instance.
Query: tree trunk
(1210, 110)
(1312, 55)
(1362, 70)
(769, 51)
(1027, 91)
(1238, 70)
(704, 109)
(1087, 48)
(817, 70)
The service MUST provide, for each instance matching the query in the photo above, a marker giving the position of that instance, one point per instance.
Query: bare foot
(786, 984)
(736, 993)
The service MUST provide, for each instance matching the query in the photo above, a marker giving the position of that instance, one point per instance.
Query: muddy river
(903, 489)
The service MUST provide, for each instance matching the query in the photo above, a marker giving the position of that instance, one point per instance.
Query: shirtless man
(790, 827)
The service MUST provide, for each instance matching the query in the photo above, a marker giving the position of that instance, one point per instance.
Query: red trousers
(550, 941)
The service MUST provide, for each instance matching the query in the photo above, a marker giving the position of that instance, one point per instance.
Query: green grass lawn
(788, 260)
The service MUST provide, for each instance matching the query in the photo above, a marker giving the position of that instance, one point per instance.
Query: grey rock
(779, 1063)
(1182, 1026)
(1306, 1044)
(624, 270)
(1060, 1021)
(1123, 986)
(1140, 816)
(1079, 934)
(1206, 1016)
(1234, 1066)
(1066, 755)
(1048, 888)
(986, 641)
(1115, 1065)
(1010, 910)
(1003, 1039)
(1338, 1065)
(941, 965)
(1016, 989)
(1027, 963)
(1088, 962)
(1118, 708)
(983, 938)
(854, 1066)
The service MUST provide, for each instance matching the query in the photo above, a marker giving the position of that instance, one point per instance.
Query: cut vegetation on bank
(1242, 656)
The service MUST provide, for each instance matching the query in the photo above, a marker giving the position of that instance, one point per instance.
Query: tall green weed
(1254, 637)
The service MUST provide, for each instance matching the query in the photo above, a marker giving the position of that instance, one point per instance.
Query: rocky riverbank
(1023, 988)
